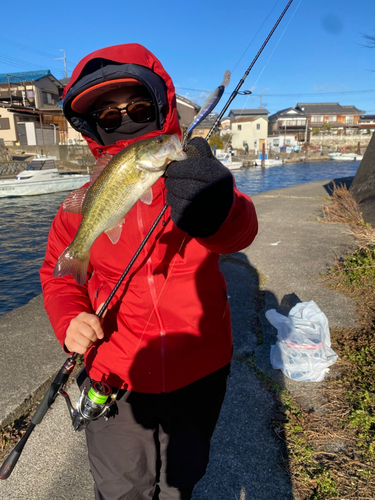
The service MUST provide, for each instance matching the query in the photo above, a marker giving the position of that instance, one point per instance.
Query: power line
(17, 63)
(25, 47)
(343, 92)
(28, 49)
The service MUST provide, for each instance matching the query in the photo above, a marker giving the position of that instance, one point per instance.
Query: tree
(370, 41)
(227, 138)
(216, 139)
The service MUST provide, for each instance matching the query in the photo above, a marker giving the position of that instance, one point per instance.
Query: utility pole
(63, 59)
(261, 95)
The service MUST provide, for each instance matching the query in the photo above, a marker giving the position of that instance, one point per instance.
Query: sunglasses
(109, 119)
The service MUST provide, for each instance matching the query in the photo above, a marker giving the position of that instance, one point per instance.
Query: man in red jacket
(165, 343)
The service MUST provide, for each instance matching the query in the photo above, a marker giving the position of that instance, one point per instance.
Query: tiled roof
(182, 98)
(247, 112)
(27, 76)
(246, 119)
(282, 112)
(327, 108)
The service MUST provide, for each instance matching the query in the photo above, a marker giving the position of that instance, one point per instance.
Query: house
(203, 128)
(331, 116)
(225, 126)
(29, 110)
(242, 113)
(250, 130)
(287, 127)
(366, 123)
(186, 111)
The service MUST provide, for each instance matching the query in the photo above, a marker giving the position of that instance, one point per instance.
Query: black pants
(157, 445)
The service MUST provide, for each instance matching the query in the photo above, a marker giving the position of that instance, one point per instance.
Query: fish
(127, 178)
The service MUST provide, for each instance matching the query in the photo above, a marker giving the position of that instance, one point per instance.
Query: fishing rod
(95, 401)
(241, 82)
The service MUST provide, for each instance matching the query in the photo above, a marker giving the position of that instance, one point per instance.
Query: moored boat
(41, 177)
(345, 156)
(268, 162)
(227, 160)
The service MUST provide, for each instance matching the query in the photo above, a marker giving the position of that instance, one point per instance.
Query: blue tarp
(26, 76)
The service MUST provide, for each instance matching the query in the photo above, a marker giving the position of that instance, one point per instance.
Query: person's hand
(199, 191)
(84, 330)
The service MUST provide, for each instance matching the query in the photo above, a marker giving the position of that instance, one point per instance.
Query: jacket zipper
(154, 298)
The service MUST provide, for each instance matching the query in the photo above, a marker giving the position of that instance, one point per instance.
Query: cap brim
(85, 99)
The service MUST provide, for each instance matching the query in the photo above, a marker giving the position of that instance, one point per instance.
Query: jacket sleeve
(238, 230)
(63, 298)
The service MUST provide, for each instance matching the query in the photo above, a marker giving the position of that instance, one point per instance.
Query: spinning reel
(92, 404)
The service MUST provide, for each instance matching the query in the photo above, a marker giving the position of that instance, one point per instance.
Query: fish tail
(68, 263)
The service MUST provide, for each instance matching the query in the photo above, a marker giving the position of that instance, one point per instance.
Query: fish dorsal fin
(99, 165)
(74, 201)
(114, 233)
(147, 197)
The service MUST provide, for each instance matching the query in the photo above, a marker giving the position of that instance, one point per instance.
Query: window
(239, 127)
(47, 98)
(332, 118)
(349, 120)
(4, 124)
(258, 126)
(317, 118)
(276, 142)
(30, 94)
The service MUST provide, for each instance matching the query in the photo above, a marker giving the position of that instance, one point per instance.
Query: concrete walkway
(286, 261)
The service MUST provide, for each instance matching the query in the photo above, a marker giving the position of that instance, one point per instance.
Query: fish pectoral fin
(74, 201)
(114, 232)
(147, 197)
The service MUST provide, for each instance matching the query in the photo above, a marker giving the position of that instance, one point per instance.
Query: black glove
(199, 191)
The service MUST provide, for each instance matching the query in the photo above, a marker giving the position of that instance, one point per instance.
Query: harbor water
(25, 222)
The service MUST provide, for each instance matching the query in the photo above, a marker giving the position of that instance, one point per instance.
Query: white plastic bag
(303, 348)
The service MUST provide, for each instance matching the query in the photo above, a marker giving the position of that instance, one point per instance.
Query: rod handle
(10, 462)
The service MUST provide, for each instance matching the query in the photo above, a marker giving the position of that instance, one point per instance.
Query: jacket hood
(111, 63)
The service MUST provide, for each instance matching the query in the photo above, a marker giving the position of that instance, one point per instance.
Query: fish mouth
(179, 153)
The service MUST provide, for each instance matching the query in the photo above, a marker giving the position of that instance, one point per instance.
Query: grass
(348, 423)
(330, 453)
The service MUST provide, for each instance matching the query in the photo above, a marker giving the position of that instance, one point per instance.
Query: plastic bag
(303, 348)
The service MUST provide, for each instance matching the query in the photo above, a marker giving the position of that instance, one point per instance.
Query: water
(256, 180)
(25, 222)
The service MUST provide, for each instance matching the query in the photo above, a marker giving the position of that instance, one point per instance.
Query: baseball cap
(83, 101)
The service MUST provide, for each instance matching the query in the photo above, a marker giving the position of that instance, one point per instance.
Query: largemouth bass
(127, 178)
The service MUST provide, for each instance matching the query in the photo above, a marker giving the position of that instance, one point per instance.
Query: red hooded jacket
(168, 324)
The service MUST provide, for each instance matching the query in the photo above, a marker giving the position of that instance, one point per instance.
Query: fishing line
(161, 291)
(240, 83)
(282, 34)
(247, 48)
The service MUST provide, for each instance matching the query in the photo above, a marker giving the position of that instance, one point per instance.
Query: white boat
(268, 162)
(41, 177)
(345, 156)
(227, 160)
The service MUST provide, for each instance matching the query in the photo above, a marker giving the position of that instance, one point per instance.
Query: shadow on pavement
(246, 455)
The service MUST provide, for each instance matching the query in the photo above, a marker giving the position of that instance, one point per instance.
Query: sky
(316, 54)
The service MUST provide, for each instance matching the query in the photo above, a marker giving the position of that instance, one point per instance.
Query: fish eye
(159, 140)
